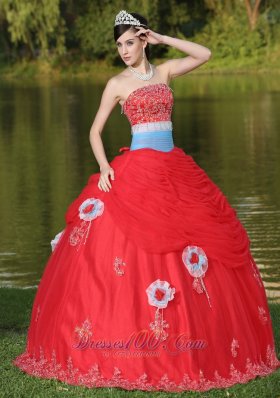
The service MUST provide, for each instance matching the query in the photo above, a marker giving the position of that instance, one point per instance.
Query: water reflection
(229, 124)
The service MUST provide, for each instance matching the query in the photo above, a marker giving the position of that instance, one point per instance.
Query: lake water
(229, 124)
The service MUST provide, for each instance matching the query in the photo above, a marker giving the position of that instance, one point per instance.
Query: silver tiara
(124, 18)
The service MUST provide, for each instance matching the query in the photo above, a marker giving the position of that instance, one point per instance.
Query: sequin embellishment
(196, 263)
(47, 366)
(82, 335)
(150, 103)
(159, 294)
(234, 346)
(262, 315)
(78, 233)
(159, 325)
(37, 313)
(256, 273)
(84, 330)
(117, 264)
(88, 211)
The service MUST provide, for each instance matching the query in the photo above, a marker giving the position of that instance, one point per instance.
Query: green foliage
(228, 35)
(95, 28)
(82, 30)
(38, 25)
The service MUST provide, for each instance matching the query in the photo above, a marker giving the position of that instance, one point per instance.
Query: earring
(143, 52)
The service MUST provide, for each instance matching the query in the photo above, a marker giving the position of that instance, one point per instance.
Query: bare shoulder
(163, 71)
(115, 85)
(111, 87)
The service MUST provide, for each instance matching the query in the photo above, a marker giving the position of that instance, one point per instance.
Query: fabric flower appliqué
(55, 241)
(159, 294)
(196, 263)
(89, 210)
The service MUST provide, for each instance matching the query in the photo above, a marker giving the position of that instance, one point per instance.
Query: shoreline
(42, 69)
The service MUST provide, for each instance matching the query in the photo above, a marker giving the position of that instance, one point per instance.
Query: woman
(151, 285)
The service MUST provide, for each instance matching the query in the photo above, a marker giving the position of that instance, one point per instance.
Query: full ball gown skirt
(151, 285)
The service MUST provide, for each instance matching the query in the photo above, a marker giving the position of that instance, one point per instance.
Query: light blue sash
(155, 135)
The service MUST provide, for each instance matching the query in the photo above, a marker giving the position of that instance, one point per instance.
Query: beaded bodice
(151, 103)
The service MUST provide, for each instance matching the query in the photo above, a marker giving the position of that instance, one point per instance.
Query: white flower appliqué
(196, 263)
(88, 211)
(159, 294)
(55, 241)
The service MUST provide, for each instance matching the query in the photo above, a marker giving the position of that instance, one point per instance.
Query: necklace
(143, 76)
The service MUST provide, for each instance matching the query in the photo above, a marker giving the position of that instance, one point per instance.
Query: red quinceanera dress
(151, 285)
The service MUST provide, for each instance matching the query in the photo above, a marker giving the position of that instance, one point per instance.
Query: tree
(36, 24)
(252, 12)
(220, 7)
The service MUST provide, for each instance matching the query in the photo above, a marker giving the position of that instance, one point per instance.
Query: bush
(228, 35)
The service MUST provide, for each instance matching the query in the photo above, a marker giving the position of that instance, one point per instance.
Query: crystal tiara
(124, 18)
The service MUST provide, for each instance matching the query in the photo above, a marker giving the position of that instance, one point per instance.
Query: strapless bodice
(151, 103)
(148, 110)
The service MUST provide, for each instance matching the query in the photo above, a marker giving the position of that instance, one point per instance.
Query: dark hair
(121, 29)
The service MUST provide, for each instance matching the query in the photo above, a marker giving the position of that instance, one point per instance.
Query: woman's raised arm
(197, 54)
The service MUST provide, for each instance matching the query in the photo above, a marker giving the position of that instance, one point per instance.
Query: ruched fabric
(163, 201)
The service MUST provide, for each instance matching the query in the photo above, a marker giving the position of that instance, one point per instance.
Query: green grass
(15, 312)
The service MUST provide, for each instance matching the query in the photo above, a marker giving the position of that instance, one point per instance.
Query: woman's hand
(104, 182)
(148, 35)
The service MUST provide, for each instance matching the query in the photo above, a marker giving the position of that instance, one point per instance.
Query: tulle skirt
(151, 285)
